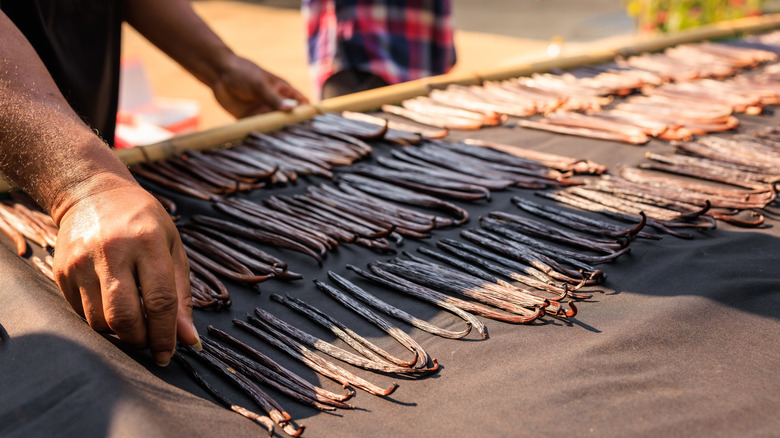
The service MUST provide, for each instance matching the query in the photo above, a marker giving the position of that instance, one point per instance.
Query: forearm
(176, 29)
(45, 148)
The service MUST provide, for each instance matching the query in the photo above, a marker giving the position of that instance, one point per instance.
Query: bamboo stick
(216, 137)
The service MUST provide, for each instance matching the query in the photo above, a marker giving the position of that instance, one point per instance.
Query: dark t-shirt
(79, 41)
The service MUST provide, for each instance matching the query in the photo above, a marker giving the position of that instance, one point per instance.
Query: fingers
(270, 96)
(291, 93)
(185, 325)
(121, 308)
(160, 302)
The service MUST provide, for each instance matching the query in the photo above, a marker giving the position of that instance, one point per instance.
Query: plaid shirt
(397, 40)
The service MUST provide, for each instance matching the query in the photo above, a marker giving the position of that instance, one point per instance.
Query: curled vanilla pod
(421, 363)
(298, 351)
(263, 360)
(349, 336)
(262, 420)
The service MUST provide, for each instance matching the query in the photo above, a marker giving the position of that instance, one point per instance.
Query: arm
(239, 85)
(114, 237)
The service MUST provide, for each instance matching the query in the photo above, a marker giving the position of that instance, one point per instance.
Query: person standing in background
(357, 45)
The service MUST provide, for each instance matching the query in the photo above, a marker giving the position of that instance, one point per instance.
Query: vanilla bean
(497, 294)
(412, 287)
(395, 193)
(276, 412)
(423, 183)
(265, 361)
(395, 312)
(346, 204)
(354, 340)
(379, 202)
(440, 280)
(238, 272)
(262, 375)
(573, 258)
(482, 268)
(282, 218)
(329, 227)
(328, 348)
(539, 229)
(402, 338)
(412, 219)
(523, 254)
(257, 235)
(279, 229)
(251, 250)
(313, 361)
(251, 262)
(262, 420)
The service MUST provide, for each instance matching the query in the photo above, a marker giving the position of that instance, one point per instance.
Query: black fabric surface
(680, 341)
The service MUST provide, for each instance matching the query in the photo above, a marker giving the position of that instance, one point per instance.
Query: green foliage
(654, 16)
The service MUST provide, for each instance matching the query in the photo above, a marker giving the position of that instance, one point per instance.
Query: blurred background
(488, 34)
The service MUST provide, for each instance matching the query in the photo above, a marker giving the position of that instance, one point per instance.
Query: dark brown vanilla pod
(237, 272)
(374, 204)
(523, 254)
(422, 293)
(256, 235)
(263, 360)
(470, 261)
(359, 209)
(266, 377)
(277, 228)
(509, 299)
(202, 193)
(395, 312)
(536, 228)
(349, 336)
(695, 218)
(330, 349)
(283, 219)
(330, 123)
(398, 194)
(217, 288)
(252, 263)
(582, 223)
(590, 205)
(274, 410)
(412, 287)
(305, 209)
(426, 184)
(576, 259)
(295, 349)
(262, 420)
(250, 250)
(421, 363)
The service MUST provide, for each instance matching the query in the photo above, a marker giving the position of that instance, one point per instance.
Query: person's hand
(245, 89)
(121, 265)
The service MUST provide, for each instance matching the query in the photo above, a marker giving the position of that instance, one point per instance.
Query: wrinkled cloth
(680, 341)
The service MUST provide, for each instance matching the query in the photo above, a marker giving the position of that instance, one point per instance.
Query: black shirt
(79, 41)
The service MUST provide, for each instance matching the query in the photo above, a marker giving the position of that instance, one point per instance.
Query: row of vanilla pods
(729, 179)
(512, 268)
(686, 90)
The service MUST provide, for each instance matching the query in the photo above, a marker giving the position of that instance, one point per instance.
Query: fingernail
(197, 345)
(162, 359)
(289, 103)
